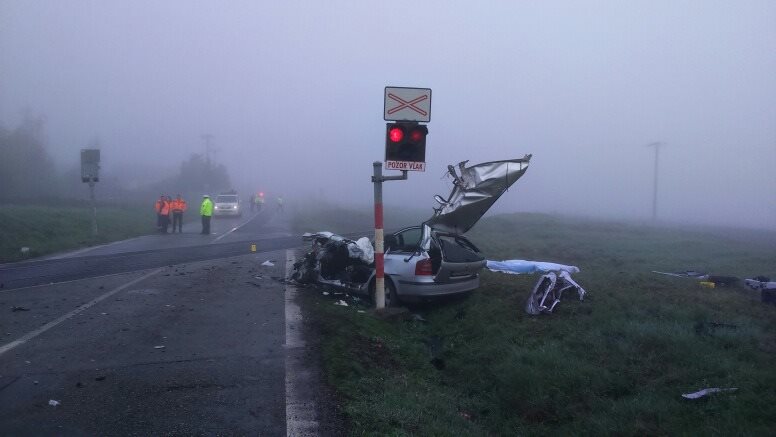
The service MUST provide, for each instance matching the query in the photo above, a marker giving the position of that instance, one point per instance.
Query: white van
(227, 204)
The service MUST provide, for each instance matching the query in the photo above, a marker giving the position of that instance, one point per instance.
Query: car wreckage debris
(708, 391)
(766, 287)
(548, 291)
(334, 258)
(717, 280)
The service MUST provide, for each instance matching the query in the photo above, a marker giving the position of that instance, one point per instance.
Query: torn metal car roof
(475, 190)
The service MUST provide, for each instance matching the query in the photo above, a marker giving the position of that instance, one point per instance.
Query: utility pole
(208, 147)
(656, 145)
(94, 208)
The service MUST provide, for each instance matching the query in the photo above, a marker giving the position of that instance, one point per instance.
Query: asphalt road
(230, 237)
(177, 347)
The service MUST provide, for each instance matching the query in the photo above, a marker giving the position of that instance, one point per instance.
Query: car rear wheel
(391, 299)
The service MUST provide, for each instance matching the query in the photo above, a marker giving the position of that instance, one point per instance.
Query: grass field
(616, 363)
(321, 216)
(49, 229)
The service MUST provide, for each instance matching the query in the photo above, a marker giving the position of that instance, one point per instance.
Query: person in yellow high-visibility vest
(206, 211)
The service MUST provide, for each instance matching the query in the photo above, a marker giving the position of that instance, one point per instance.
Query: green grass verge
(616, 363)
(49, 229)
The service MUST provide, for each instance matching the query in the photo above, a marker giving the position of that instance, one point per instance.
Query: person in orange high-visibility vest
(165, 213)
(178, 208)
(158, 209)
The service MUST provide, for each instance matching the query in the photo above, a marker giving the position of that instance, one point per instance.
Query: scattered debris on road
(158, 347)
(707, 391)
(268, 263)
(54, 403)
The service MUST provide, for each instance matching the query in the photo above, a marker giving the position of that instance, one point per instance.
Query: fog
(292, 94)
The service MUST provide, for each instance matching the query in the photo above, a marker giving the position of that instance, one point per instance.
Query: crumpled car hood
(475, 190)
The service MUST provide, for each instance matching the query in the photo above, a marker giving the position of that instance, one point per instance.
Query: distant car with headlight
(227, 204)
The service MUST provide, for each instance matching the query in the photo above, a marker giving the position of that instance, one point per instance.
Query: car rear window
(458, 249)
(226, 199)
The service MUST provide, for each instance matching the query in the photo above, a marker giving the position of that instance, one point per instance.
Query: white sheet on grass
(521, 266)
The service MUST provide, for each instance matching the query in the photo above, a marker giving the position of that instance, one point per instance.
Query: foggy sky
(293, 94)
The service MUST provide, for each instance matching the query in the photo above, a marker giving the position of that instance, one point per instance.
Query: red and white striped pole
(379, 251)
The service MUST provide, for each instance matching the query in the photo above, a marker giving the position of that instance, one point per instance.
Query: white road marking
(88, 249)
(300, 409)
(32, 334)
(48, 284)
(235, 228)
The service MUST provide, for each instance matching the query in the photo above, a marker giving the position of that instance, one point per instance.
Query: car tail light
(423, 267)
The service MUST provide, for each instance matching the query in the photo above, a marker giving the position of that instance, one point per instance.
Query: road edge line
(301, 410)
(32, 334)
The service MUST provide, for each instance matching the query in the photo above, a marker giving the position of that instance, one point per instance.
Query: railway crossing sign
(407, 104)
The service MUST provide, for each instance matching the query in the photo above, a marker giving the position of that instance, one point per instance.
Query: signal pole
(656, 145)
(378, 179)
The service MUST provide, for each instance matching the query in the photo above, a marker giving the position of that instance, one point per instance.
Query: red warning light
(261, 194)
(416, 135)
(396, 134)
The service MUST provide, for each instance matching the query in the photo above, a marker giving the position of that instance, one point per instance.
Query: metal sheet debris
(717, 280)
(707, 391)
(759, 284)
(268, 263)
(475, 190)
(548, 291)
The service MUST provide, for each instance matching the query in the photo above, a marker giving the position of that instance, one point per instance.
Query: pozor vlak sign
(405, 139)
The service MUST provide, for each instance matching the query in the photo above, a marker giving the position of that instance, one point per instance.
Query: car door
(400, 246)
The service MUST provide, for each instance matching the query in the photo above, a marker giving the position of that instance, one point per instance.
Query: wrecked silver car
(433, 259)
